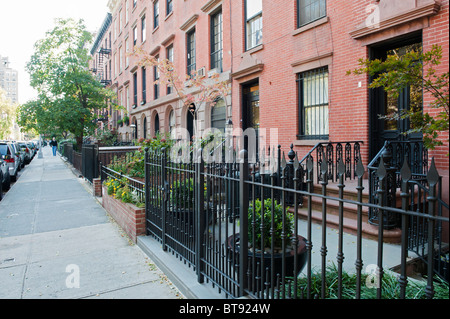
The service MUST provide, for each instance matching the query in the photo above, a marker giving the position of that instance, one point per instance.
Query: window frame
(322, 104)
(135, 89)
(155, 14)
(143, 29)
(144, 85)
(311, 20)
(156, 78)
(248, 21)
(191, 52)
(169, 7)
(216, 47)
(170, 58)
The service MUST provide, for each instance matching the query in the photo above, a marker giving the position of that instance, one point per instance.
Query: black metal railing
(135, 186)
(231, 224)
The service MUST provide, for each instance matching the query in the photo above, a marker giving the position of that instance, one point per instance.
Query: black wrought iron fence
(136, 187)
(237, 225)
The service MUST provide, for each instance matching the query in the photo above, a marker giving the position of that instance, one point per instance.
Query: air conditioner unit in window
(201, 72)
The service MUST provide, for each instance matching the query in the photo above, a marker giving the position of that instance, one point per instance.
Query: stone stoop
(349, 212)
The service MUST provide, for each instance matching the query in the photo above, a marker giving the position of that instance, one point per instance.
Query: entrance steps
(349, 211)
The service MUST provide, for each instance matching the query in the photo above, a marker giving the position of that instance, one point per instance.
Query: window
(127, 12)
(156, 80)
(310, 10)
(144, 32)
(169, 54)
(218, 115)
(144, 86)
(135, 35)
(253, 17)
(134, 3)
(191, 67)
(313, 103)
(216, 41)
(120, 59)
(171, 121)
(155, 14)
(127, 102)
(144, 128)
(127, 49)
(135, 90)
(120, 20)
(156, 124)
(169, 6)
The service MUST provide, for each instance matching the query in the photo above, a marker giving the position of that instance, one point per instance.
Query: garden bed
(128, 216)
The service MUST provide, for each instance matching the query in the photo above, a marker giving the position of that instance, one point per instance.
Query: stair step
(350, 226)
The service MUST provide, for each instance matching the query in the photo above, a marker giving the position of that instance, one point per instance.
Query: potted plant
(268, 244)
(126, 120)
(120, 123)
(182, 199)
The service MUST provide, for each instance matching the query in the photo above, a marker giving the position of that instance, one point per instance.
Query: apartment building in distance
(9, 80)
(286, 61)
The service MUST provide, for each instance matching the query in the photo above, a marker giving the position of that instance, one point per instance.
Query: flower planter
(234, 241)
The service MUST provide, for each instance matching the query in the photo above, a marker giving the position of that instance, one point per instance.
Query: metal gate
(89, 158)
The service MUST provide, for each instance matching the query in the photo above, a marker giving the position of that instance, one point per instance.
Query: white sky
(24, 22)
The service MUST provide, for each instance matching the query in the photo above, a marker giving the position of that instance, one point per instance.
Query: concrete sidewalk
(57, 242)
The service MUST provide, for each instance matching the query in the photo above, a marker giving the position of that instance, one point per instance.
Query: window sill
(310, 142)
(311, 25)
(155, 29)
(169, 15)
(255, 49)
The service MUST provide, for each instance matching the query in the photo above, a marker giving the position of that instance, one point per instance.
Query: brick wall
(129, 217)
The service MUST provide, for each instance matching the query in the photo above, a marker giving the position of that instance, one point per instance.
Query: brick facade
(335, 40)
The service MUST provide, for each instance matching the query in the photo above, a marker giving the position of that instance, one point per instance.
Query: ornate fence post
(147, 186)
(200, 215)
(165, 195)
(406, 176)
(243, 208)
(432, 178)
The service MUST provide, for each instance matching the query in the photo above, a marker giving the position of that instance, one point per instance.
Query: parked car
(8, 154)
(32, 148)
(5, 177)
(27, 152)
(20, 154)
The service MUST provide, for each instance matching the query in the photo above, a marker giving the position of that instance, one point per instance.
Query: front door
(250, 113)
(382, 103)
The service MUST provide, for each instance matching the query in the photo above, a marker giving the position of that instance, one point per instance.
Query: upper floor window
(169, 6)
(144, 86)
(310, 10)
(135, 35)
(155, 14)
(216, 41)
(144, 29)
(134, 3)
(313, 103)
(253, 17)
(127, 12)
(169, 54)
(191, 66)
(156, 80)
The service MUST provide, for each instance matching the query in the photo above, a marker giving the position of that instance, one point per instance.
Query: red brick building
(286, 61)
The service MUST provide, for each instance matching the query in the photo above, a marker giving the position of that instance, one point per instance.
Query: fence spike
(283, 161)
(296, 162)
(381, 169)
(324, 165)
(309, 164)
(341, 167)
(359, 168)
(405, 171)
(433, 175)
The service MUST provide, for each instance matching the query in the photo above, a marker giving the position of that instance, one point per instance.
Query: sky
(24, 22)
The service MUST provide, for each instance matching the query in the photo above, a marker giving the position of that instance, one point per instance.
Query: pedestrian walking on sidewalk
(54, 145)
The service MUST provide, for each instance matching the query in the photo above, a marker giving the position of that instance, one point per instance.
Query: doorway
(383, 103)
(250, 111)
